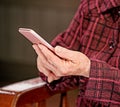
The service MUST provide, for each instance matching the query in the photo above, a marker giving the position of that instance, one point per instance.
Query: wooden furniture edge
(10, 98)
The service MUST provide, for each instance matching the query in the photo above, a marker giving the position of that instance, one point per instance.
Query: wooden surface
(27, 93)
(24, 93)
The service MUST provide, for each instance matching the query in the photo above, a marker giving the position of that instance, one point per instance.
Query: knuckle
(64, 71)
(68, 70)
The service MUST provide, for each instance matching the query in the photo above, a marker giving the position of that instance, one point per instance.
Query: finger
(45, 71)
(41, 68)
(65, 53)
(42, 60)
(50, 56)
(51, 77)
(36, 48)
(44, 66)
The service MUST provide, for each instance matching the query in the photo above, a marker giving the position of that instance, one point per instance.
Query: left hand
(63, 62)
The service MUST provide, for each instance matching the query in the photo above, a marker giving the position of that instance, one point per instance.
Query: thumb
(64, 53)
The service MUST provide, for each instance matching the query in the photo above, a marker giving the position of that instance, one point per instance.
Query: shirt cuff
(102, 85)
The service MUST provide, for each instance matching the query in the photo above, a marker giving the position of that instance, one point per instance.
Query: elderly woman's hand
(62, 62)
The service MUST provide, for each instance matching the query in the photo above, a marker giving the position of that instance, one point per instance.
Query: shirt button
(119, 12)
(112, 44)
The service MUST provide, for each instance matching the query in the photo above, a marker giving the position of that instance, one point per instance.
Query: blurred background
(47, 17)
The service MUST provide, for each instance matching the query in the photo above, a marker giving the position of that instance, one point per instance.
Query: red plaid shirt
(95, 31)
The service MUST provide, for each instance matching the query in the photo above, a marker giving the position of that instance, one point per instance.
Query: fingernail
(34, 47)
(50, 79)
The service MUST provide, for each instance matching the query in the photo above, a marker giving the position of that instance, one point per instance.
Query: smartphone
(35, 38)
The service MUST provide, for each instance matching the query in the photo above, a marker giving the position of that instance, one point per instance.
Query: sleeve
(70, 38)
(104, 82)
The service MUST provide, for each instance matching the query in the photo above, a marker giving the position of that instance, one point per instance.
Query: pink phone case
(32, 36)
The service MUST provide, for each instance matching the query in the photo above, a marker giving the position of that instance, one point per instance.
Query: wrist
(86, 69)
